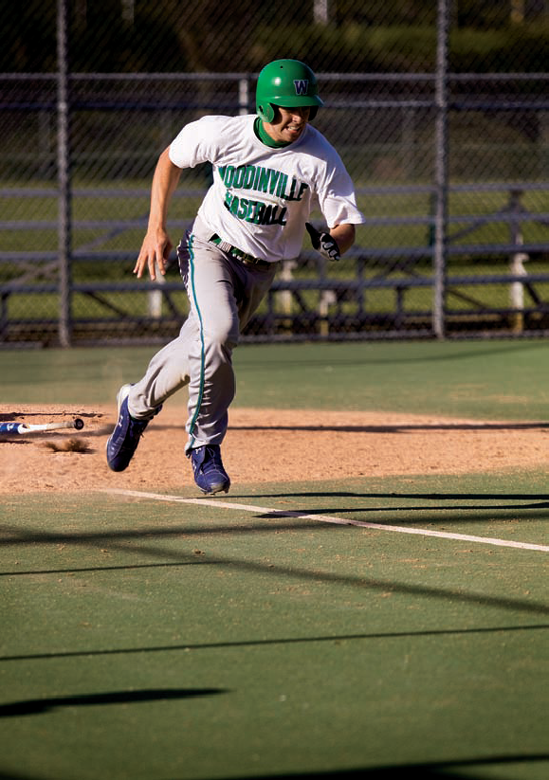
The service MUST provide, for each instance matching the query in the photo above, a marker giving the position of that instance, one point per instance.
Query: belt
(237, 253)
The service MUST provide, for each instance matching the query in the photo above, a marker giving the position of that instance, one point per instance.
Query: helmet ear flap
(266, 112)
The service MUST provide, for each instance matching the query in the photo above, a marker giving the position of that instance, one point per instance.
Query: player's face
(288, 124)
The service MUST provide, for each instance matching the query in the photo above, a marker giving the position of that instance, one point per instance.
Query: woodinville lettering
(252, 177)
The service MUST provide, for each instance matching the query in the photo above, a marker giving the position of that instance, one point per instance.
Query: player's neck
(265, 138)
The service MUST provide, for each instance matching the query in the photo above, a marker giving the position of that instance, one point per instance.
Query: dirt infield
(263, 446)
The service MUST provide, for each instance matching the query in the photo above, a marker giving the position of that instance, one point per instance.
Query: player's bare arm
(157, 244)
(344, 235)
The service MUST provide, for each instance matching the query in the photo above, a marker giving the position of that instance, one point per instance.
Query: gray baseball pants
(223, 294)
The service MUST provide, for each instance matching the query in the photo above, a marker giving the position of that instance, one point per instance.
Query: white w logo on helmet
(301, 86)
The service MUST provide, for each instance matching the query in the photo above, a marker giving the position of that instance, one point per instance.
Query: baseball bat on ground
(24, 428)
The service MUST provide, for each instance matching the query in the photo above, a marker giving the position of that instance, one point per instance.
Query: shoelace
(212, 461)
(136, 429)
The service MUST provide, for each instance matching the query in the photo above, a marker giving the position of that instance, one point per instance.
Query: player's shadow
(41, 706)
(432, 506)
(443, 769)
(397, 427)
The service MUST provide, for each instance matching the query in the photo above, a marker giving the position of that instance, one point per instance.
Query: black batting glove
(323, 243)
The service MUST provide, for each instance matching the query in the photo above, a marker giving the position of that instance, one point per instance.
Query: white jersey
(261, 197)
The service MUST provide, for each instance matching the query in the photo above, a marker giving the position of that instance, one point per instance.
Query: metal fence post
(441, 170)
(64, 230)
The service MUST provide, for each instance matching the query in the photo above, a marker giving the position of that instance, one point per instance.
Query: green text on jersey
(268, 180)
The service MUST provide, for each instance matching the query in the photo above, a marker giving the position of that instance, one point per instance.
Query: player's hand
(154, 254)
(324, 243)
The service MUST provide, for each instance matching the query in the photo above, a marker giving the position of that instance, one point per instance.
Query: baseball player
(270, 171)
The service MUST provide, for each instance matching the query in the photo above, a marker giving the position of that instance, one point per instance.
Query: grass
(156, 640)
(510, 378)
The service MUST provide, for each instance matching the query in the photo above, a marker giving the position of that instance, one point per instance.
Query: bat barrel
(6, 428)
(19, 427)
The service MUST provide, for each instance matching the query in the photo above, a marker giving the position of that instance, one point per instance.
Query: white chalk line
(220, 504)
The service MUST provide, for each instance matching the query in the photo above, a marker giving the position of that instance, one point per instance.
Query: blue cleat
(209, 474)
(124, 439)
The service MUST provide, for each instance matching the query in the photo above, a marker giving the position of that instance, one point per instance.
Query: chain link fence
(439, 111)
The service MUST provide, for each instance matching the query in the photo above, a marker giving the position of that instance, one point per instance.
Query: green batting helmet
(286, 83)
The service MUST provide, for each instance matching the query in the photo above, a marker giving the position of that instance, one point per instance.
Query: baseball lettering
(255, 211)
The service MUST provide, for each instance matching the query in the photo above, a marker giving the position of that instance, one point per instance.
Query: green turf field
(356, 627)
